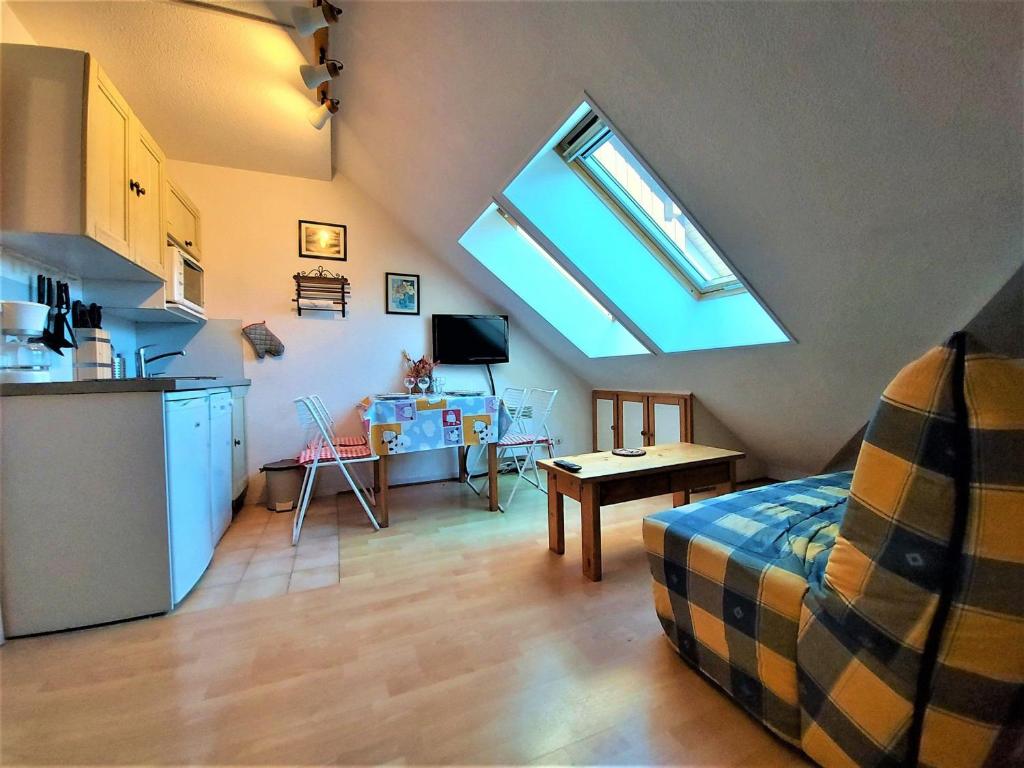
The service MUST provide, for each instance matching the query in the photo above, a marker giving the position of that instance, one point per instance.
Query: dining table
(396, 424)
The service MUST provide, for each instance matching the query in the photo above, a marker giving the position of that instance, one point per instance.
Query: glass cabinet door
(604, 421)
(632, 420)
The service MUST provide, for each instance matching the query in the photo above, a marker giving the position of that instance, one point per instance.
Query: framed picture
(401, 294)
(320, 240)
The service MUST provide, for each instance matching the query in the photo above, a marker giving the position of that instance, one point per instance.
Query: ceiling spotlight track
(309, 20)
(318, 116)
(328, 69)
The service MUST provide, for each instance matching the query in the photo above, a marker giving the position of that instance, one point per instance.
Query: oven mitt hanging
(263, 341)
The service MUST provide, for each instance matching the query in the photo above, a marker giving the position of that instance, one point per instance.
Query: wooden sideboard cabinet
(624, 419)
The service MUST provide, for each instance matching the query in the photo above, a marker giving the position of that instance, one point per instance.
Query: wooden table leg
(492, 476)
(463, 473)
(590, 509)
(681, 498)
(556, 516)
(381, 477)
(730, 486)
(376, 476)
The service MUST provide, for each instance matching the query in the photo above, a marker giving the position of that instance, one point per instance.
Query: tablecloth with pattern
(429, 422)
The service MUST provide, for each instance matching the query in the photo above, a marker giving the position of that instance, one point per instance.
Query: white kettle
(23, 318)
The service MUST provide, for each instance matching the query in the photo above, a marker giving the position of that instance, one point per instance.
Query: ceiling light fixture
(318, 116)
(309, 20)
(313, 76)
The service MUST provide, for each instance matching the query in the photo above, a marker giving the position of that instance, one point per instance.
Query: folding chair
(512, 398)
(528, 432)
(353, 441)
(323, 448)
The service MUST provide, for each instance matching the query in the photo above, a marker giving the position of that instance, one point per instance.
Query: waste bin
(284, 480)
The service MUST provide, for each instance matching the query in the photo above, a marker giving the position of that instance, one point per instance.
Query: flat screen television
(470, 339)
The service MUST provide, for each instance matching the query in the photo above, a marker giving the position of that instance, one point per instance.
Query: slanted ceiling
(860, 165)
(211, 87)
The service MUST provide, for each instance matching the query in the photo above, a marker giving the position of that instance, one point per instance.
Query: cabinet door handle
(197, 425)
(142, 190)
(133, 185)
(188, 243)
(238, 442)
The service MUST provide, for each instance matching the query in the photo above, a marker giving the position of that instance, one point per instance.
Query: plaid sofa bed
(730, 575)
(886, 628)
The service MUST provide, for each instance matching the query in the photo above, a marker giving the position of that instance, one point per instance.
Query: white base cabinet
(187, 424)
(220, 463)
(112, 503)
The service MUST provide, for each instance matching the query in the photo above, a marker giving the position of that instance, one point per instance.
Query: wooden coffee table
(675, 468)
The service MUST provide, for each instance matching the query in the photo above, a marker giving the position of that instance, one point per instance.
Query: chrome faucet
(141, 362)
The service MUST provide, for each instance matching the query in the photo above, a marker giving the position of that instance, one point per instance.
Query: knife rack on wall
(320, 290)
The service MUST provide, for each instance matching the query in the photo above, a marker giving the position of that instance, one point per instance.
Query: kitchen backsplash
(17, 281)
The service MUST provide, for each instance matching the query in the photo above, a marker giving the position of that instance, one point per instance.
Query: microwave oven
(185, 281)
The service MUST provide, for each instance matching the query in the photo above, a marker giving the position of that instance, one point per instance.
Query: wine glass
(409, 382)
(423, 382)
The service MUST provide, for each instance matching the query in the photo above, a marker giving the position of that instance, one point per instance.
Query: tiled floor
(256, 559)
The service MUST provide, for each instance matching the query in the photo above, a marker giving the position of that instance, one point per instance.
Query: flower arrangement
(418, 368)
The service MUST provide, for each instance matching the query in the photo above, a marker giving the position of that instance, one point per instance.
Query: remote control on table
(568, 466)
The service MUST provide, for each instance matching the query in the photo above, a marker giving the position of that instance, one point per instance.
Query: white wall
(11, 28)
(250, 223)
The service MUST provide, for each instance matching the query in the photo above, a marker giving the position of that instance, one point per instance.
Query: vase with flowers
(422, 370)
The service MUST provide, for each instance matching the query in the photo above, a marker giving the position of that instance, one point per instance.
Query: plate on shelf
(463, 393)
(395, 396)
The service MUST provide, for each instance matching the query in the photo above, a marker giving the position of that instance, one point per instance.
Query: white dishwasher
(187, 430)
(220, 462)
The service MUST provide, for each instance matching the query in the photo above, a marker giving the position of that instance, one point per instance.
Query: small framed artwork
(401, 294)
(320, 240)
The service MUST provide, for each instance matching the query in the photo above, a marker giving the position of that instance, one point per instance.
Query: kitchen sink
(183, 378)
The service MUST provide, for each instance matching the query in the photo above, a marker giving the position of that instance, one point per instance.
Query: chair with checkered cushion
(526, 435)
(886, 628)
(323, 448)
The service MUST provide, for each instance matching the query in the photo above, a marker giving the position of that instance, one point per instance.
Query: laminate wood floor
(454, 637)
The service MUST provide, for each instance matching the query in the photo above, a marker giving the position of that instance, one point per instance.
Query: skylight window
(586, 236)
(520, 262)
(566, 277)
(639, 199)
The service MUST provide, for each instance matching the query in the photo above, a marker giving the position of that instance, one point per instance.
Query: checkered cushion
(344, 452)
(911, 645)
(356, 440)
(730, 575)
(523, 439)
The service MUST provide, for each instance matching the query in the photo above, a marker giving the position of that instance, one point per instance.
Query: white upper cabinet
(84, 181)
(147, 185)
(183, 220)
(108, 129)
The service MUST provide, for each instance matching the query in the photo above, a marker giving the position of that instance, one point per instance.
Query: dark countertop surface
(105, 386)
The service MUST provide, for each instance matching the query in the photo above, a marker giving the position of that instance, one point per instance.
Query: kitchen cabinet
(623, 419)
(84, 497)
(183, 225)
(148, 242)
(108, 138)
(187, 420)
(112, 501)
(73, 189)
(239, 465)
(220, 463)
